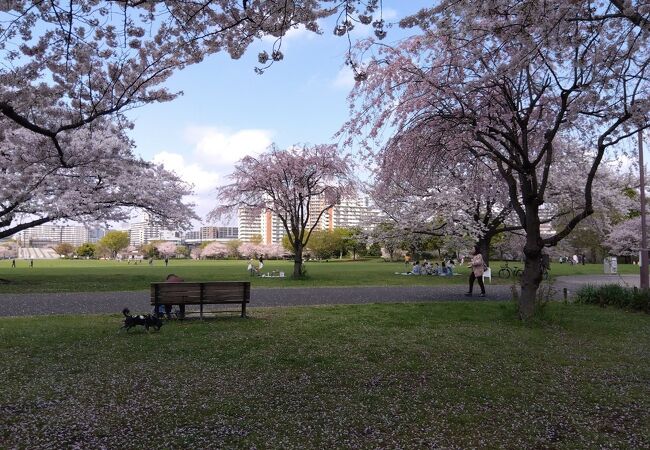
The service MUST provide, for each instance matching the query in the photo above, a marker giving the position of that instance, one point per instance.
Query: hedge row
(615, 295)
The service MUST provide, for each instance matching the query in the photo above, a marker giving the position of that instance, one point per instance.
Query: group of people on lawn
(477, 267)
(446, 268)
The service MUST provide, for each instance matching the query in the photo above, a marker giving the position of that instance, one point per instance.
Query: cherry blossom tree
(512, 80)
(425, 191)
(67, 64)
(625, 238)
(422, 192)
(72, 69)
(101, 180)
(298, 185)
(195, 253)
(166, 248)
(250, 250)
(215, 250)
(614, 201)
(274, 251)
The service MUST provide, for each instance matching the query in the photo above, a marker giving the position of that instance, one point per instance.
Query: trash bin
(610, 265)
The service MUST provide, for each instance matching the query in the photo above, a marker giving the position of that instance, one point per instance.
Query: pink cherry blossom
(520, 86)
(298, 185)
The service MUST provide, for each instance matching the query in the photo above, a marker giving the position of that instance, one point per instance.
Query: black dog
(146, 321)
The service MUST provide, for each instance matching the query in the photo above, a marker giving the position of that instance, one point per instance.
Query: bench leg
(243, 309)
(201, 310)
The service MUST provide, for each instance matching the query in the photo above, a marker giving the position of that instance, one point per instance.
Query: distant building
(50, 235)
(350, 212)
(249, 224)
(210, 233)
(146, 231)
(213, 233)
(192, 236)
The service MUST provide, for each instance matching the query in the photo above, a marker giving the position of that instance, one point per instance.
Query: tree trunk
(532, 276)
(297, 261)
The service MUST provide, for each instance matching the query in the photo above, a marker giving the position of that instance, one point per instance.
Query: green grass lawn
(89, 275)
(451, 375)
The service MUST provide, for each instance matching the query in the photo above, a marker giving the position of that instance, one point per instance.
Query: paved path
(138, 301)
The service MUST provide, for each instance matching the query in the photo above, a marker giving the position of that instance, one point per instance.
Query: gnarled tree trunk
(297, 259)
(532, 276)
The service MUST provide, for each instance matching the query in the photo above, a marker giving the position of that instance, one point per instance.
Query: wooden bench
(201, 293)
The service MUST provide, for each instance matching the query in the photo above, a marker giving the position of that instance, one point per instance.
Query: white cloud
(344, 79)
(210, 158)
(192, 172)
(389, 14)
(218, 148)
(204, 181)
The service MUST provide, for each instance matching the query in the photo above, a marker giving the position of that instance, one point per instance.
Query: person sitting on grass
(450, 268)
(417, 269)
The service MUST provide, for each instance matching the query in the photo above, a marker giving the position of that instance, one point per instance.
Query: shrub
(615, 295)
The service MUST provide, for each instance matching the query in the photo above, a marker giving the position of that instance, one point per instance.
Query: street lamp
(644, 251)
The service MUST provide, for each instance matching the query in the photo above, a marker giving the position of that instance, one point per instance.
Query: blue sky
(228, 111)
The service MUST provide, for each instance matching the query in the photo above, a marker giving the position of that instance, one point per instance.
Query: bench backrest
(194, 293)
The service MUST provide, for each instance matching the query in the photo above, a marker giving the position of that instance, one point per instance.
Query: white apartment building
(211, 233)
(249, 224)
(47, 235)
(146, 231)
(351, 212)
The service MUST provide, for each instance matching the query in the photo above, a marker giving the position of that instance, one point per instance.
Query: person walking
(31, 263)
(166, 261)
(477, 267)
(13, 262)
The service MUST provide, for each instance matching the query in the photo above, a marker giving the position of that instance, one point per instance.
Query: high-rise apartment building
(145, 231)
(249, 224)
(350, 212)
(48, 235)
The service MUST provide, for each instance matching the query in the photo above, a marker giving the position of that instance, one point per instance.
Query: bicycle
(506, 272)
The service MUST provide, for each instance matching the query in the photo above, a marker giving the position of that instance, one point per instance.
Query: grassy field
(88, 276)
(452, 375)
